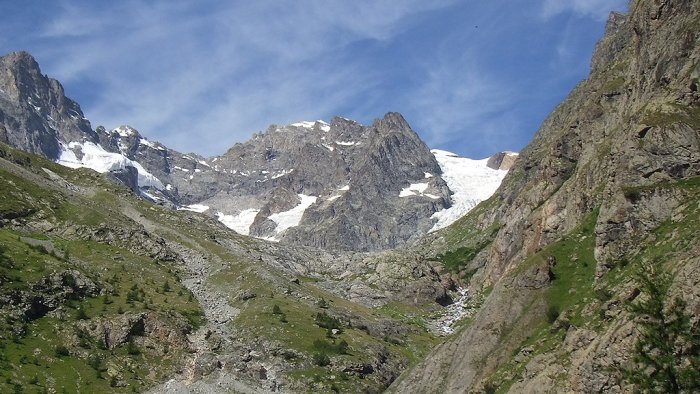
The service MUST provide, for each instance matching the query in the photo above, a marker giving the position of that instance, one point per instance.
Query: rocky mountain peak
(22, 80)
(345, 126)
(126, 131)
(18, 72)
(293, 181)
(391, 121)
(615, 39)
(36, 110)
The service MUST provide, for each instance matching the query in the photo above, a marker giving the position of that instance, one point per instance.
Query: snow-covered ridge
(471, 181)
(100, 160)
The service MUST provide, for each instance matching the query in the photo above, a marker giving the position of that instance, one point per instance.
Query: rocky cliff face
(34, 112)
(615, 162)
(339, 185)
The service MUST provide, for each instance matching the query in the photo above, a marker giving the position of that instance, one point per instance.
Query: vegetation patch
(465, 231)
(667, 352)
(676, 114)
(636, 193)
(67, 288)
(455, 260)
(614, 84)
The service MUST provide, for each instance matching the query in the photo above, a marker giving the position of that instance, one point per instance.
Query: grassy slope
(30, 359)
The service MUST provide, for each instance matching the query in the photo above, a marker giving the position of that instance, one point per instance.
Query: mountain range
(362, 261)
(302, 183)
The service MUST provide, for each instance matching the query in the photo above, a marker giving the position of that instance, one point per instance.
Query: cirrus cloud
(473, 77)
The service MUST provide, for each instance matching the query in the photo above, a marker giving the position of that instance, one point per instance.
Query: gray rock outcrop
(35, 115)
(502, 160)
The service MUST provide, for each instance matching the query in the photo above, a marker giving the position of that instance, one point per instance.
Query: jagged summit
(25, 75)
(35, 114)
(125, 131)
(315, 125)
(324, 171)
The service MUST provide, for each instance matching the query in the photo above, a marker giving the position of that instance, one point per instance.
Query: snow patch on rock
(194, 208)
(239, 223)
(124, 131)
(282, 173)
(414, 189)
(292, 217)
(100, 160)
(150, 144)
(307, 124)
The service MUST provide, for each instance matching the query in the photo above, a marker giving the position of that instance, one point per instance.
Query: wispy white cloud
(70, 24)
(597, 9)
(224, 69)
(201, 75)
(455, 99)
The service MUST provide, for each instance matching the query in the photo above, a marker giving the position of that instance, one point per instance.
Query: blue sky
(473, 77)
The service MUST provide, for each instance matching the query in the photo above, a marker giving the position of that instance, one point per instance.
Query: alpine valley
(340, 257)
